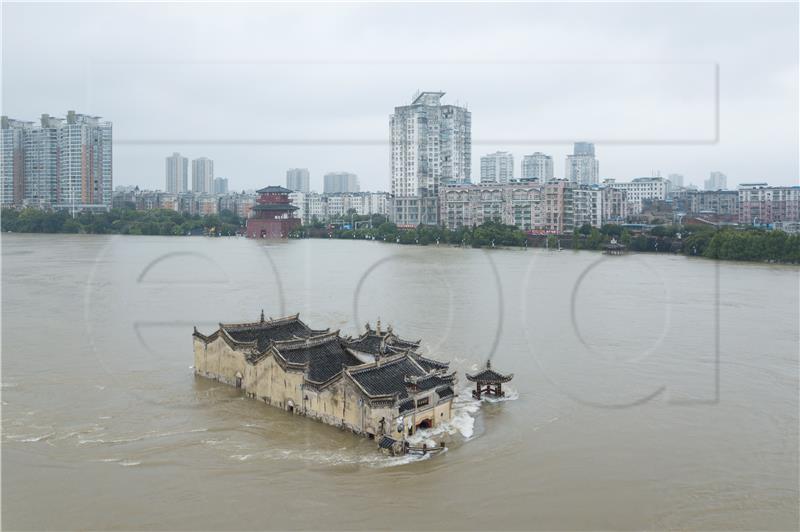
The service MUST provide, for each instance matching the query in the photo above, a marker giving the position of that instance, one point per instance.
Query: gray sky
(261, 88)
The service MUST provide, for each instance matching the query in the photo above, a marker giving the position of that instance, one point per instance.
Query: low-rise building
(761, 204)
(534, 207)
(723, 205)
(640, 189)
(587, 205)
(615, 205)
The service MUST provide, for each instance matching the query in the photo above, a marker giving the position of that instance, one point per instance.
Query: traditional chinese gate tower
(272, 216)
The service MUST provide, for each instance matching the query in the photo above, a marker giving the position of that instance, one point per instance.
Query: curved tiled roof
(430, 364)
(431, 380)
(324, 355)
(380, 342)
(275, 207)
(273, 189)
(266, 331)
(388, 377)
(488, 375)
(447, 391)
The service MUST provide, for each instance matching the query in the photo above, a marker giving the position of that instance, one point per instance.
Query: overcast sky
(260, 88)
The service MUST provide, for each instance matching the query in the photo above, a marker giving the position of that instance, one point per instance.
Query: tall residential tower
(431, 146)
(497, 167)
(582, 167)
(297, 179)
(203, 176)
(177, 174)
(337, 182)
(537, 166)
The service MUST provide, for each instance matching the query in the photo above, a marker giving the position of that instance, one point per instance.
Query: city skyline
(261, 132)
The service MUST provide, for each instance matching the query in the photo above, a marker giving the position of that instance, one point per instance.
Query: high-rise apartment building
(582, 167)
(431, 146)
(177, 174)
(12, 160)
(497, 167)
(336, 182)
(84, 167)
(716, 181)
(41, 163)
(297, 179)
(203, 175)
(676, 180)
(59, 163)
(537, 166)
(220, 185)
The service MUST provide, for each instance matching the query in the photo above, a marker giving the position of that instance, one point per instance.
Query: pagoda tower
(273, 214)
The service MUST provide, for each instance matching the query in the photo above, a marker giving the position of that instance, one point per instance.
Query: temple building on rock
(377, 384)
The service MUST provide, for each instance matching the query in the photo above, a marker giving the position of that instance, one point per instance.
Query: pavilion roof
(275, 207)
(274, 189)
(488, 375)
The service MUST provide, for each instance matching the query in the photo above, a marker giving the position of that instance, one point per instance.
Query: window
(423, 402)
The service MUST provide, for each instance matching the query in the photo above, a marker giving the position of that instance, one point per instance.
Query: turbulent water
(649, 391)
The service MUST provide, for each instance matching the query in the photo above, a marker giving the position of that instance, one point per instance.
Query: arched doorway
(290, 406)
(424, 424)
(238, 380)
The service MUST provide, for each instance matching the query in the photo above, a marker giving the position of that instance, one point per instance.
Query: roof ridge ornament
(262, 315)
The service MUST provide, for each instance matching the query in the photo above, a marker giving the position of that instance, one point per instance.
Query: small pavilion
(614, 248)
(488, 382)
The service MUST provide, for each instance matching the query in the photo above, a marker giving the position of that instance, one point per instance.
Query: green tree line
(119, 221)
(485, 235)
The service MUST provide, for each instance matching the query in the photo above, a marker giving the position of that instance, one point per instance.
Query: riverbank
(754, 245)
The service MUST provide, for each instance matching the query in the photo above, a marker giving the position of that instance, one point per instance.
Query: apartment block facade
(340, 182)
(61, 163)
(497, 167)
(642, 189)
(537, 166)
(431, 147)
(761, 204)
(298, 179)
(582, 167)
(202, 175)
(176, 169)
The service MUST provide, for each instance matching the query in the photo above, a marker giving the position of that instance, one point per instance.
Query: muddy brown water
(650, 392)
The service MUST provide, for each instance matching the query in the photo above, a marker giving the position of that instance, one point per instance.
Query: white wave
(32, 439)
(241, 457)
(149, 435)
(511, 394)
(5, 385)
(394, 461)
(104, 417)
(129, 463)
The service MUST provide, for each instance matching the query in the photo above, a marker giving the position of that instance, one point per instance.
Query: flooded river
(649, 392)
